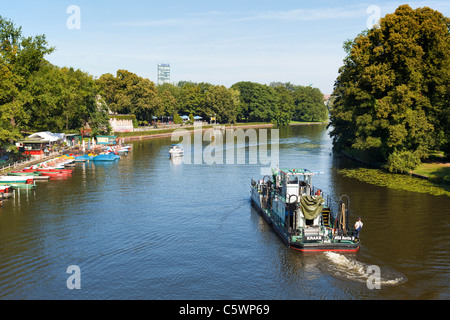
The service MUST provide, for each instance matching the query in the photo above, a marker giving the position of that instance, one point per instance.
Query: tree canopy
(38, 96)
(392, 94)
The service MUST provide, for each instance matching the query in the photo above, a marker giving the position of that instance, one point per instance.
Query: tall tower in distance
(163, 73)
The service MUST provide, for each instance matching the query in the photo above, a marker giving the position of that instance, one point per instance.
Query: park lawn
(438, 171)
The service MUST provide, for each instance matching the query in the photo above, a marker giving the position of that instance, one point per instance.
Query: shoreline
(410, 173)
(191, 129)
(430, 185)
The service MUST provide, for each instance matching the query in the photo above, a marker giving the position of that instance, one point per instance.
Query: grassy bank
(382, 178)
(432, 178)
(437, 172)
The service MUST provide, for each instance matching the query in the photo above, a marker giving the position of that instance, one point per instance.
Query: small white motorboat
(176, 150)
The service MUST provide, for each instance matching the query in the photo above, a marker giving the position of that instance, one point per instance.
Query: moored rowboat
(26, 186)
(15, 179)
(34, 175)
(66, 171)
(23, 173)
(54, 174)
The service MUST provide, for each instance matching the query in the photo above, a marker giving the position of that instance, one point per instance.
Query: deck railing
(25, 162)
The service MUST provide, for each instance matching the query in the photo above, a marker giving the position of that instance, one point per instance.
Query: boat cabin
(294, 183)
(302, 207)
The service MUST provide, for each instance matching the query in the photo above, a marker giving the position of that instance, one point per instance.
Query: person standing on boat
(358, 227)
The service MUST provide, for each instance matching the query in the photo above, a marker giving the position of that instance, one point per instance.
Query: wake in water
(348, 268)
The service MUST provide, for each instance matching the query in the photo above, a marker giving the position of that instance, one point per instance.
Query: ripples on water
(147, 227)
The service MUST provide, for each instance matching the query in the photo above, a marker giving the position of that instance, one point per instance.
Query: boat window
(292, 180)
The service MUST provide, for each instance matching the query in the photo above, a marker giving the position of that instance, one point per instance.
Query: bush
(402, 161)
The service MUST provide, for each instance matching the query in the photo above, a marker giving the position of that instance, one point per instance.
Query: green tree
(309, 104)
(127, 93)
(391, 95)
(192, 97)
(223, 103)
(20, 57)
(9, 92)
(286, 105)
(258, 101)
(167, 104)
(63, 99)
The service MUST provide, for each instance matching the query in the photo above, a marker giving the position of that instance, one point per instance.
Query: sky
(219, 42)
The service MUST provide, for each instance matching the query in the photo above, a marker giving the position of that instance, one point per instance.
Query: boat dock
(58, 165)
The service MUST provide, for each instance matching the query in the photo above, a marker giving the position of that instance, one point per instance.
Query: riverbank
(156, 133)
(432, 178)
(163, 133)
(435, 171)
(396, 181)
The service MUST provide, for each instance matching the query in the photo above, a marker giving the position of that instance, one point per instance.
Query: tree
(286, 105)
(20, 57)
(258, 101)
(169, 96)
(309, 105)
(223, 103)
(108, 85)
(391, 95)
(63, 99)
(192, 97)
(167, 104)
(9, 131)
(127, 93)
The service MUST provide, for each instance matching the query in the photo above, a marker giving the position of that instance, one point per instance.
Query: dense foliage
(35, 95)
(244, 101)
(392, 95)
(38, 96)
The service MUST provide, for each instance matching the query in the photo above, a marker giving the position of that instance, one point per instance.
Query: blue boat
(106, 157)
(83, 158)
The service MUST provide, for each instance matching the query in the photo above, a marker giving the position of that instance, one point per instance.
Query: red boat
(67, 171)
(5, 189)
(54, 174)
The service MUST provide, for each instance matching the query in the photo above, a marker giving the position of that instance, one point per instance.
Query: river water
(146, 227)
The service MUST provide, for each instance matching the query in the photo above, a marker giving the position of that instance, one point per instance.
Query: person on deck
(358, 227)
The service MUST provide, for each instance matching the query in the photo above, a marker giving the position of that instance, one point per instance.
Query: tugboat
(297, 212)
(176, 150)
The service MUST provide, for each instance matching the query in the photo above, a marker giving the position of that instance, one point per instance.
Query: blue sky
(220, 42)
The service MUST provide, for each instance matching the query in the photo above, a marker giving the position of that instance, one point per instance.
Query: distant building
(163, 73)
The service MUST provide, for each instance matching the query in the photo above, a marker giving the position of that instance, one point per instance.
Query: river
(146, 227)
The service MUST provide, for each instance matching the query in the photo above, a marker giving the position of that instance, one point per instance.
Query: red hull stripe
(323, 250)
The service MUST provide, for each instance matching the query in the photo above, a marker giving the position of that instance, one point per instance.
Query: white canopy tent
(47, 136)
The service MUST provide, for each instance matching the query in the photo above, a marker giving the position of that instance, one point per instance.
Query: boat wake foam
(351, 269)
